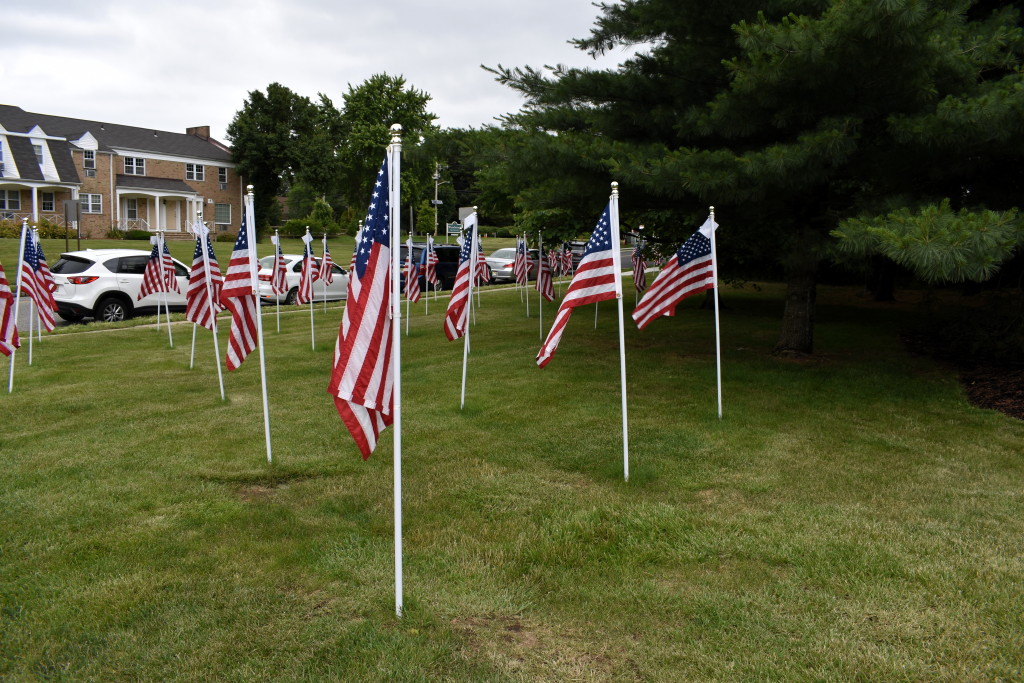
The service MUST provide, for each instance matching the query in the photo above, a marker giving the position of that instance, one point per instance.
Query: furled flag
(167, 266)
(308, 274)
(239, 296)
(594, 281)
(554, 261)
(520, 267)
(202, 298)
(457, 316)
(326, 273)
(153, 276)
(8, 325)
(45, 286)
(544, 284)
(412, 274)
(639, 267)
(689, 271)
(483, 271)
(279, 271)
(355, 250)
(566, 259)
(363, 374)
(33, 284)
(430, 274)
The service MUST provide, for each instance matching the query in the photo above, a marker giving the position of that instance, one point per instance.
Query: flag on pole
(363, 374)
(544, 284)
(412, 274)
(167, 268)
(483, 271)
(594, 281)
(159, 273)
(554, 261)
(239, 296)
(42, 292)
(566, 259)
(326, 273)
(430, 273)
(689, 271)
(202, 298)
(457, 315)
(520, 267)
(639, 267)
(308, 274)
(9, 340)
(279, 269)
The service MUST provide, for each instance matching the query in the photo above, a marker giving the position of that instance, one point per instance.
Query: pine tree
(792, 118)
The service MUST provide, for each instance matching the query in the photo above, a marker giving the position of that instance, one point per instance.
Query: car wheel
(293, 295)
(112, 309)
(71, 316)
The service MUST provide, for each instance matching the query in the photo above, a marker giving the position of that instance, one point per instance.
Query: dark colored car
(447, 263)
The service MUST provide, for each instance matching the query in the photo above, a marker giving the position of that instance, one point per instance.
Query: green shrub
(137, 235)
(226, 237)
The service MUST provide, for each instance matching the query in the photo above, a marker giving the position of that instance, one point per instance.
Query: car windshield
(69, 265)
(504, 253)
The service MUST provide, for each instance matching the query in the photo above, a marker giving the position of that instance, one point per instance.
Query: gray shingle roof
(148, 183)
(111, 135)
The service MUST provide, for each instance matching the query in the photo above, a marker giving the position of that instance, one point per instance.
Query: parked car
(104, 284)
(447, 263)
(336, 291)
(502, 265)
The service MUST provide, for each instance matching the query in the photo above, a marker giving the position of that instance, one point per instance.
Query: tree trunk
(797, 336)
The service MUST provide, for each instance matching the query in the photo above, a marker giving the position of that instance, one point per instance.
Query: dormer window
(38, 149)
(134, 166)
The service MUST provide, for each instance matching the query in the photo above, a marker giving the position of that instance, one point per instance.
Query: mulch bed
(995, 387)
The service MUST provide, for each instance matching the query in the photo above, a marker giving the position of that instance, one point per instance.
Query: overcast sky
(171, 65)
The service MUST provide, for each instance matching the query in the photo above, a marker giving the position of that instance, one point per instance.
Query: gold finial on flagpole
(396, 132)
(615, 188)
(249, 189)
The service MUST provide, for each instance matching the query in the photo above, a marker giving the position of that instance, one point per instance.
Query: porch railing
(19, 216)
(133, 224)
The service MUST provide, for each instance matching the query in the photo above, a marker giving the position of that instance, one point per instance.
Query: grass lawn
(850, 518)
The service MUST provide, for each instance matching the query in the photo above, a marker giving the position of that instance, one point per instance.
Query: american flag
(202, 298)
(483, 272)
(520, 267)
(33, 283)
(639, 267)
(566, 259)
(544, 284)
(554, 261)
(363, 374)
(689, 271)
(279, 271)
(595, 280)
(326, 274)
(431, 266)
(167, 263)
(412, 275)
(8, 325)
(159, 274)
(45, 285)
(308, 274)
(456, 317)
(239, 297)
(355, 250)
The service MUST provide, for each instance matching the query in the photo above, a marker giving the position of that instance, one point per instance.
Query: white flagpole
(394, 190)
(617, 261)
(204, 234)
(17, 302)
(540, 295)
(307, 253)
(165, 277)
(192, 354)
(250, 221)
(718, 329)
(32, 315)
(595, 314)
(469, 302)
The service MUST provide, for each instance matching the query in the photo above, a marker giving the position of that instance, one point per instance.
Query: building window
(222, 175)
(10, 200)
(131, 209)
(91, 203)
(195, 172)
(38, 149)
(88, 159)
(222, 214)
(1, 160)
(48, 201)
(134, 166)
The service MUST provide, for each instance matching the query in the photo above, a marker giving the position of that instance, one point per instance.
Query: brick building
(124, 177)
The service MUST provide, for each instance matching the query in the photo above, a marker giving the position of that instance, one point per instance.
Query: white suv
(104, 284)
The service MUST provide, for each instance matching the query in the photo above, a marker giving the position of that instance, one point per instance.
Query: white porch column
(35, 204)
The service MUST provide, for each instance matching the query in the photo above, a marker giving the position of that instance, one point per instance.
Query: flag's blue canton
(40, 256)
(31, 257)
(198, 254)
(243, 236)
(376, 227)
(467, 249)
(154, 254)
(166, 250)
(209, 250)
(601, 238)
(697, 246)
